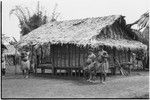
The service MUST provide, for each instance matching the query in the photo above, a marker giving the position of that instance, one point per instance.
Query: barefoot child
(103, 66)
(3, 65)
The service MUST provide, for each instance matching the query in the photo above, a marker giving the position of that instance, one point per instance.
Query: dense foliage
(27, 22)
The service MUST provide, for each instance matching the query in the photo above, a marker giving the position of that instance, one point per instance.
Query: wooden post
(71, 56)
(129, 54)
(42, 69)
(61, 54)
(79, 62)
(35, 62)
(53, 63)
(15, 61)
(49, 52)
(57, 54)
(61, 57)
(114, 54)
(126, 55)
(31, 62)
(65, 57)
(75, 54)
(120, 55)
(75, 59)
(69, 60)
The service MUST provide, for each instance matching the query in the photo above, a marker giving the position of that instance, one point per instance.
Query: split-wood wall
(72, 56)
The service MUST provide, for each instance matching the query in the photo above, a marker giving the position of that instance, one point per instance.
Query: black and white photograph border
(74, 49)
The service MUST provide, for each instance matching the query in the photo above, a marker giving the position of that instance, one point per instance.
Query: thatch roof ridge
(78, 21)
(79, 31)
(67, 24)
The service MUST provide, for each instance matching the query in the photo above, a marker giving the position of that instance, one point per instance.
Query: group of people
(25, 64)
(97, 63)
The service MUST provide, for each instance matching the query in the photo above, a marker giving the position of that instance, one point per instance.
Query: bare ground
(46, 86)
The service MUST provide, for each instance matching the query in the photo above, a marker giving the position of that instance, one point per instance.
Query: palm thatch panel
(90, 31)
(119, 44)
(10, 50)
(143, 35)
(144, 20)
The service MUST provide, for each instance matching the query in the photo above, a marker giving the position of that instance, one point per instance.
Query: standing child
(103, 66)
(3, 65)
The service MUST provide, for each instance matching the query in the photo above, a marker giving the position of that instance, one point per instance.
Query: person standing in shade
(133, 60)
(103, 64)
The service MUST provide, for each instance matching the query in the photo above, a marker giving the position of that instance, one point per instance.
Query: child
(3, 66)
(103, 66)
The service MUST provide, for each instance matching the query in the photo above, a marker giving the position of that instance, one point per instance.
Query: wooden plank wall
(68, 56)
(72, 56)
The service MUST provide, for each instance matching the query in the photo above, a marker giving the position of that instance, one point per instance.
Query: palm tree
(142, 22)
(143, 28)
(26, 21)
(142, 33)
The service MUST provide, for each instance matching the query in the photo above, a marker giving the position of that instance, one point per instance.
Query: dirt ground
(47, 86)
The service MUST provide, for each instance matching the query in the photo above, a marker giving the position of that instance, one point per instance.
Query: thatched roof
(3, 46)
(145, 33)
(10, 50)
(89, 31)
(143, 36)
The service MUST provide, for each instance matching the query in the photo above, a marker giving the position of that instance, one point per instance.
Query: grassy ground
(46, 86)
(143, 96)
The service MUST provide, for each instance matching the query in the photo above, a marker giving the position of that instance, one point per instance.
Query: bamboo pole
(61, 58)
(75, 55)
(79, 60)
(57, 54)
(36, 62)
(41, 55)
(49, 53)
(114, 54)
(69, 55)
(76, 62)
(53, 61)
(42, 69)
(69, 59)
(31, 62)
(65, 58)
(129, 54)
(15, 61)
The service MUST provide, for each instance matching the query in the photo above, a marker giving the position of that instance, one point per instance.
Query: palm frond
(29, 15)
(26, 21)
(143, 21)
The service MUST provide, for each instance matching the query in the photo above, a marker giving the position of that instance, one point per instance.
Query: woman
(25, 63)
(103, 64)
(90, 65)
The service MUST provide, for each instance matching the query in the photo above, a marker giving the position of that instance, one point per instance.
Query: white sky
(73, 9)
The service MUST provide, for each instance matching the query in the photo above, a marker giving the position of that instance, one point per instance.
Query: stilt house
(65, 44)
